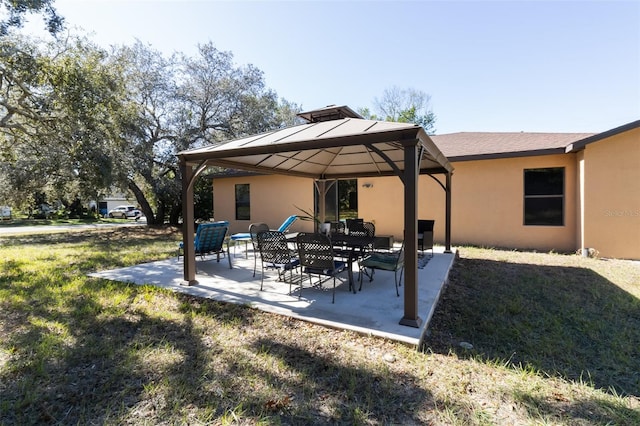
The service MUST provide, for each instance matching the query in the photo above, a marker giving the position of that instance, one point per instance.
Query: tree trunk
(174, 215)
(142, 201)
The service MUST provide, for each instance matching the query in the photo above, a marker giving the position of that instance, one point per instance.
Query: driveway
(41, 229)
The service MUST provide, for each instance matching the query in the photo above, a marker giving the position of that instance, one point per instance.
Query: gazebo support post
(188, 226)
(410, 179)
(447, 225)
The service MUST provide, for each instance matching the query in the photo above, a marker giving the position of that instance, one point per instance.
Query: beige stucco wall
(612, 195)
(487, 204)
(602, 201)
(273, 198)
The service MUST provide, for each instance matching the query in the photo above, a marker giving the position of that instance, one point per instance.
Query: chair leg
(333, 297)
(262, 277)
(395, 275)
(255, 261)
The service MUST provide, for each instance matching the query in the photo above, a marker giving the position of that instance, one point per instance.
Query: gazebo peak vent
(328, 113)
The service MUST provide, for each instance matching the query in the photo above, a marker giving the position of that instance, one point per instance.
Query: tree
(59, 108)
(182, 103)
(76, 121)
(404, 106)
(15, 11)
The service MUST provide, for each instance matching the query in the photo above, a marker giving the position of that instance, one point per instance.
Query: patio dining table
(351, 247)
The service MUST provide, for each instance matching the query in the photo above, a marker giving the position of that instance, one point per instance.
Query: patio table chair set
(315, 253)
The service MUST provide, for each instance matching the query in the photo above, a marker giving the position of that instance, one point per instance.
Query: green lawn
(555, 341)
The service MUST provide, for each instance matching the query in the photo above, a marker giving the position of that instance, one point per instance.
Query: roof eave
(502, 155)
(579, 145)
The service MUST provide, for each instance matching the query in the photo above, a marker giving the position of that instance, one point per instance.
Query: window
(544, 196)
(243, 208)
(341, 201)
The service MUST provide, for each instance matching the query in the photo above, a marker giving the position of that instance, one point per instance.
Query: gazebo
(335, 143)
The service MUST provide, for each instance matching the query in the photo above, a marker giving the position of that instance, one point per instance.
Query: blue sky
(558, 66)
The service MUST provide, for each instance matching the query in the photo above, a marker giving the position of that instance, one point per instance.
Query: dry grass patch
(75, 349)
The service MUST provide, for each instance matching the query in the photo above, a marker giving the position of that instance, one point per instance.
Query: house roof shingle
(484, 145)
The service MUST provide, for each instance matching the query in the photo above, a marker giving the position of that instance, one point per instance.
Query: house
(566, 192)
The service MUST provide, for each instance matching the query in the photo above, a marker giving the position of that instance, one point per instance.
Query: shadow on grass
(328, 392)
(561, 321)
(123, 363)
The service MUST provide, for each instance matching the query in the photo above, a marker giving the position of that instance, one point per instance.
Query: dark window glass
(243, 207)
(544, 181)
(544, 196)
(341, 200)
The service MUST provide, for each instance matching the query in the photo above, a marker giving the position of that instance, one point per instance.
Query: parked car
(43, 211)
(124, 212)
(5, 212)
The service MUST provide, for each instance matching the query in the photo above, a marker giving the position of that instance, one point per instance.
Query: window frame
(526, 219)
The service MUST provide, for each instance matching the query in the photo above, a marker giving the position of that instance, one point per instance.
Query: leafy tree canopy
(404, 106)
(13, 13)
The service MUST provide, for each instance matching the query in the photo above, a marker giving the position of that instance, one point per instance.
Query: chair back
(425, 225)
(363, 229)
(353, 224)
(273, 247)
(287, 223)
(337, 228)
(210, 236)
(400, 259)
(315, 251)
(254, 230)
(425, 233)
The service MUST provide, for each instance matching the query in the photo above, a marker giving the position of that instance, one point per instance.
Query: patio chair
(316, 257)
(254, 229)
(337, 228)
(384, 261)
(363, 229)
(287, 223)
(275, 254)
(352, 223)
(209, 239)
(425, 234)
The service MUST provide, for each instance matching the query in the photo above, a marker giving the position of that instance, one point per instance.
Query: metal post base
(411, 322)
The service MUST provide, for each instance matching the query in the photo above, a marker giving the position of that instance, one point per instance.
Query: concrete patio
(374, 311)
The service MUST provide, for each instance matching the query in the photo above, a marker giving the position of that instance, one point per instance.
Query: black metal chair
(384, 261)
(275, 254)
(317, 257)
(254, 229)
(353, 224)
(337, 228)
(364, 229)
(425, 234)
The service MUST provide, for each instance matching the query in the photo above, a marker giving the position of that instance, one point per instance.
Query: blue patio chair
(287, 223)
(209, 239)
(316, 257)
(246, 236)
(383, 261)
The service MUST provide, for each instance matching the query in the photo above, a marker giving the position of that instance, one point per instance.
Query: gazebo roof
(340, 148)
(336, 144)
